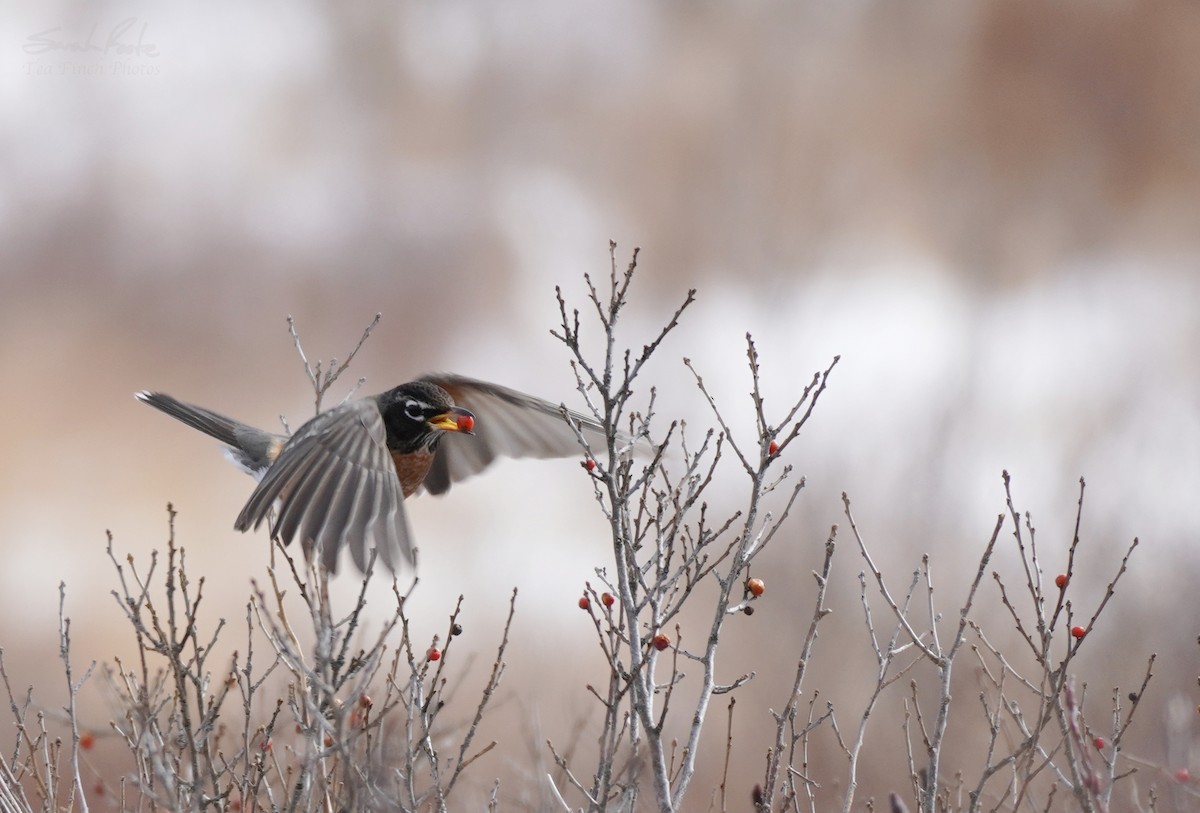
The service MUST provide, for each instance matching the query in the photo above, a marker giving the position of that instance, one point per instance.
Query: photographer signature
(118, 41)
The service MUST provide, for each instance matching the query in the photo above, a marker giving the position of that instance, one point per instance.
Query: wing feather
(510, 424)
(337, 487)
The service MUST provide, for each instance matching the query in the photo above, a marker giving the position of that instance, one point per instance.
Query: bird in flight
(341, 479)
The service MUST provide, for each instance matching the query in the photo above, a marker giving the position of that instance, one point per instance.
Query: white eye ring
(414, 409)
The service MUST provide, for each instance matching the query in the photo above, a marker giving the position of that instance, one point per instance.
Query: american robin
(341, 479)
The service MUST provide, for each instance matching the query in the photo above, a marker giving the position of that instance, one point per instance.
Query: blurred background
(989, 210)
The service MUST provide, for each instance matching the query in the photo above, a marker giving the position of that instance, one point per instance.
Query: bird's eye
(414, 410)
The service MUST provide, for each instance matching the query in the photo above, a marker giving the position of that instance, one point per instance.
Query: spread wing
(337, 486)
(508, 424)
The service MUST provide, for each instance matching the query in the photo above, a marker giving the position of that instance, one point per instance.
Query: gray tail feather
(223, 429)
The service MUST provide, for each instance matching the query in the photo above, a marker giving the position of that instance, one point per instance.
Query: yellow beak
(455, 419)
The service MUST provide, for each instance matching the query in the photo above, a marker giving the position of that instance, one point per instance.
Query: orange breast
(411, 469)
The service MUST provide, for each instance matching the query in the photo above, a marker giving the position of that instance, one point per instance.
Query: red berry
(87, 740)
(1098, 742)
(328, 740)
(589, 464)
(1061, 580)
(98, 788)
(466, 423)
(661, 641)
(755, 586)
(584, 603)
(607, 599)
(1182, 775)
(365, 701)
(773, 448)
(1078, 632)
(434, 654)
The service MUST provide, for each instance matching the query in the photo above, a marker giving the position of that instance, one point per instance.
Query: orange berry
(773, 448)
(607, 599)
(584, 603)
(1078, 632)
(756, 586)
(86, 740)
(434, 654)
(1061, 580)
(661, 641)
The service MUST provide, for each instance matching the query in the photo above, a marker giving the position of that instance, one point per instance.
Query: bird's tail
(222, 428)
(252, 449)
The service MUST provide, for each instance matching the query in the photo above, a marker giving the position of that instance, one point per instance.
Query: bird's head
(416, 414)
